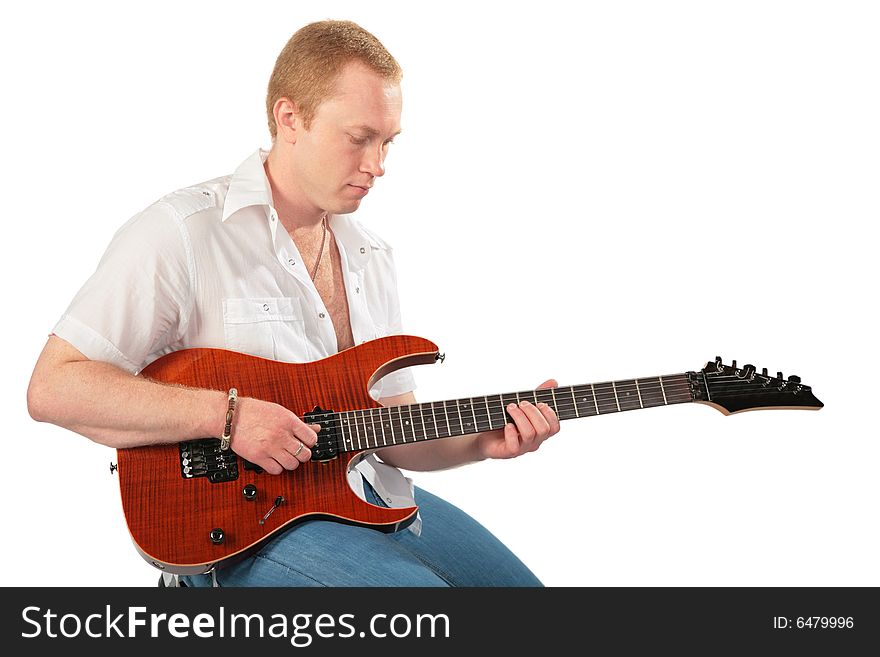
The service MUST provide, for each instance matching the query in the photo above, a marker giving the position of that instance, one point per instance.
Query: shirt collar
(250, 186)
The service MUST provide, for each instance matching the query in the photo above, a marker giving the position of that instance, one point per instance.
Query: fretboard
(397, 425)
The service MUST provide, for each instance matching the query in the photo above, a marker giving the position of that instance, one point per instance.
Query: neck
(385, 426)
(295, 211)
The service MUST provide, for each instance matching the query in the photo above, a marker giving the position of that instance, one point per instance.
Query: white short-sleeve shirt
(211, 265)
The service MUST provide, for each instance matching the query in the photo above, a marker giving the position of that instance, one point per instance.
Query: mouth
(360, 189)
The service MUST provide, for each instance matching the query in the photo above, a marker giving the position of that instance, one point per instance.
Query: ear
(288, 122)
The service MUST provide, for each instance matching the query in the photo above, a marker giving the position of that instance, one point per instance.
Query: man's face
(337, 160)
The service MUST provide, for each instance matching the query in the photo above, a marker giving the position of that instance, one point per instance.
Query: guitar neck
(383, 427)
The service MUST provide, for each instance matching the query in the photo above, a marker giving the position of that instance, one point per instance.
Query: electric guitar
(192, 507)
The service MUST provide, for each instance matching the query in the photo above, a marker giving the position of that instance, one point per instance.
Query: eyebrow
(372, 131)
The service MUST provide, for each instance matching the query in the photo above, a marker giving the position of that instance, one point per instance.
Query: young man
(268, 261)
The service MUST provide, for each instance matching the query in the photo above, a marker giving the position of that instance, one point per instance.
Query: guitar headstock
(732, 389)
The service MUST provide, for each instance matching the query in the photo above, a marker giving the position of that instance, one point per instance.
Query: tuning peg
(794, 378)
(779, 375)
(764, 371)
(733, 364)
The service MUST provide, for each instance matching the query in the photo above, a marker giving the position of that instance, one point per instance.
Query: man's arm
(533, 425)
(115, 408)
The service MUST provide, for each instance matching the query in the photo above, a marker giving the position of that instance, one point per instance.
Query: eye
(360, 141)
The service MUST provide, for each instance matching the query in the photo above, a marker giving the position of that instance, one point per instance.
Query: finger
(540, 425)
(271, 466)
(549, 415)
(549, 383)
(307, 433)
(287, 460)
(523, 422)
(511, 438)
(300, 452)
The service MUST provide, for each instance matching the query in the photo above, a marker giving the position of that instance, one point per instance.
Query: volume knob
(217, 536)
(249, 492)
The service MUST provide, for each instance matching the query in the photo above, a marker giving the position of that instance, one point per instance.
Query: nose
(374, 162)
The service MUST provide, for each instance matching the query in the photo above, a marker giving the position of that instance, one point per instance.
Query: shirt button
(266, 307)
(363, 250)
(291, 262)
(358, 290)
(321, 315)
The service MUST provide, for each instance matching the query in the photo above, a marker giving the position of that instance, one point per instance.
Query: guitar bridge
(204, 458)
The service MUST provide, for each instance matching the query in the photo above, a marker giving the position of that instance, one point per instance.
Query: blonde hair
(309, 65)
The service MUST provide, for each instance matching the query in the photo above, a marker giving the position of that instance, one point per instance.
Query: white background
(617, 190)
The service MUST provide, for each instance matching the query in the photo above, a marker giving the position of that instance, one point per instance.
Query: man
(268, 261)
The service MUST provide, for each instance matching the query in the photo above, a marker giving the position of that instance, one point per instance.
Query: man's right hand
(271, 436)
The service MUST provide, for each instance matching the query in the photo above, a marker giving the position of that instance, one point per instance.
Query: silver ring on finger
(299, 449)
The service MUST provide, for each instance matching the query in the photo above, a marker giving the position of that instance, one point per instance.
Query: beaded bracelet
(227, 432)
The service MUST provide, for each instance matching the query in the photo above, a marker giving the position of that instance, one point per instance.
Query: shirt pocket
(269, 327)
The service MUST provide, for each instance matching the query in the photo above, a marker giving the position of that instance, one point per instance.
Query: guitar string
(563, 403)
(362, 416)
(671, 382)
(492, 416)
(357, 427)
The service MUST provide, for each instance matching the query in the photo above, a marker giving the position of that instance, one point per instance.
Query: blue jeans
(453, 550)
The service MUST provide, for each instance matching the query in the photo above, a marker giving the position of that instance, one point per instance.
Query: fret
(403, 423)
(434, 422)
(651, 393)
(377, 414)
(543, 396)
(352, 429)
(605, 398)
(371, 433)
(505, 416)
(381, 413)
(576, 412)
(474, 414)
(639, 393)
(412, 424)
(386, 416)
(616, 400)
(488, 412)
(391, 427)
(357, 429)
(446, 415)
(494, 406)
(459, 406)
(553, 397)
(346, 423)
(381, 427)
(424, 427)
(627, 399)
(662, 389)
(595, 403)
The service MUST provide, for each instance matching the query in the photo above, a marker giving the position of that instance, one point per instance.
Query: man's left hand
(533, 425)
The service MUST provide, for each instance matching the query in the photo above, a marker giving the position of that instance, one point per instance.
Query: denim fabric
(453, 550)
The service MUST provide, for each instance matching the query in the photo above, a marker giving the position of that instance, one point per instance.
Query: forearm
(114, 408)
(441, 454)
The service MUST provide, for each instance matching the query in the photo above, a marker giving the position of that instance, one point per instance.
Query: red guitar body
(171, 518)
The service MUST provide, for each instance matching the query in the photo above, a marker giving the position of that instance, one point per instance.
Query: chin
(347, 207)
